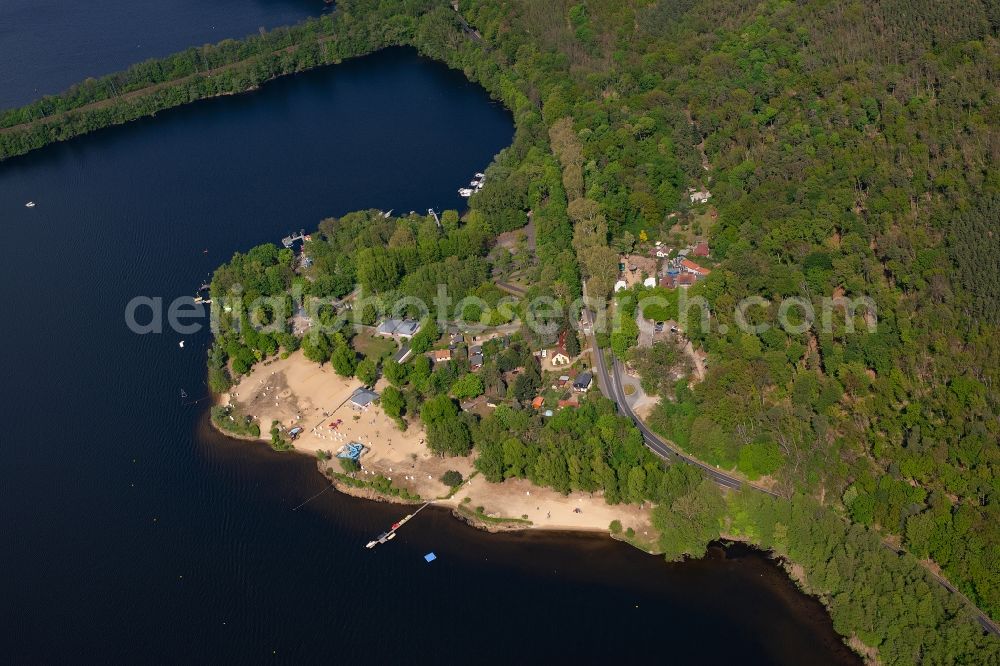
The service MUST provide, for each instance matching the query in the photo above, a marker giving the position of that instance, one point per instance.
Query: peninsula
(816, 180)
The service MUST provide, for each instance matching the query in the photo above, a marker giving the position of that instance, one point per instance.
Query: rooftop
(687, 264)
(403, 327)
(363, 397)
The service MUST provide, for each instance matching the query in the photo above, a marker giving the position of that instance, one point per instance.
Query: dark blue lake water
(132, 532)
(48, 45)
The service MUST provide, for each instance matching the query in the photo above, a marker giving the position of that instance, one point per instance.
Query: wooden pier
(287, 241)
(391, 534)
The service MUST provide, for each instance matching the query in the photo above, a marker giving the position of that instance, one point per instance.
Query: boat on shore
(465, 192)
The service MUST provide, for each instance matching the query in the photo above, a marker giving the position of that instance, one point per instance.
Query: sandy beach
(548, 509)
(299, 392)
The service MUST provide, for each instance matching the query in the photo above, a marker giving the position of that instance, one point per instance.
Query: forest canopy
(850, 149)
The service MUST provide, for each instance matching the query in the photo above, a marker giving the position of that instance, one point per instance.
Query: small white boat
(181, 344)
(30, 204)
(465, 192)
(480, 175)
(476, 183)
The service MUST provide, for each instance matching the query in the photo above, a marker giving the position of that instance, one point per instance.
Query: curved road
(611, 386)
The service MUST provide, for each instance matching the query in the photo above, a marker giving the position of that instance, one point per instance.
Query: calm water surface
(135, 533)
(48, 45)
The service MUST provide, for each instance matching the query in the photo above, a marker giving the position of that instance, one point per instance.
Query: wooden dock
(391, 533)
(289, 240)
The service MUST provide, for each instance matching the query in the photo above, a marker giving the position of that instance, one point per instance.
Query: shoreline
(793, 572)
(296, 392)
(469, 517)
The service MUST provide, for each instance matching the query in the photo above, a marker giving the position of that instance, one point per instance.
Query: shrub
(452, 478)
(759, 458)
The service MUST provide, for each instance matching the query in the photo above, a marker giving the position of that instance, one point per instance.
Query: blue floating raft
(430, 557)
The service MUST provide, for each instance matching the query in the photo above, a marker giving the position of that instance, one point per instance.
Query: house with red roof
(559, 355)
(690, 267)
(686, 279)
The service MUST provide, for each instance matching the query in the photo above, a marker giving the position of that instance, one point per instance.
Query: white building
(701, 196)
(402, 328)
(560, 358)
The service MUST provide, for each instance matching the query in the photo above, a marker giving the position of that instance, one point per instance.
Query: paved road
(610, 386)
(470, 32)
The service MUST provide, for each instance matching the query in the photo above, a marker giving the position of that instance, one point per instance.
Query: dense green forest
(226, 68)
(850, 149)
